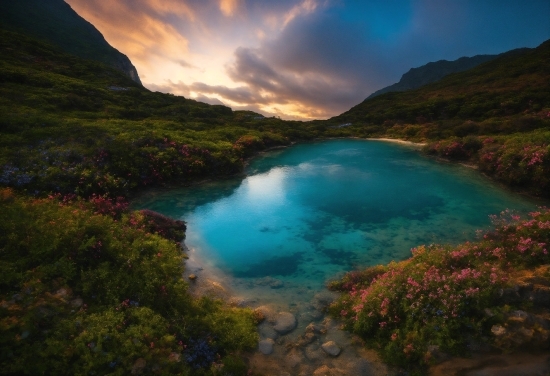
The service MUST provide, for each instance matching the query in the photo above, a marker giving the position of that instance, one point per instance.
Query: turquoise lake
(308, 213)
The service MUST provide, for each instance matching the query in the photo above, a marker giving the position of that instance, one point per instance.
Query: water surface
(307, 213)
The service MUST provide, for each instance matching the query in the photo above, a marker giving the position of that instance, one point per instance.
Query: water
(308, 213)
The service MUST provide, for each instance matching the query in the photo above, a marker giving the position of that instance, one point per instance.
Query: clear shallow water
(308, 213)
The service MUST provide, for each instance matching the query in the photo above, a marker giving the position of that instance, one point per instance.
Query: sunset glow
(303, 59)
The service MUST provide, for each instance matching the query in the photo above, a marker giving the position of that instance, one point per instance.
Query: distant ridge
(55, 22)
(434, 71)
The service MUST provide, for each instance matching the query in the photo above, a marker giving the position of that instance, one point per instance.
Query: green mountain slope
(508, 94)
(56, 22)
(434, 71)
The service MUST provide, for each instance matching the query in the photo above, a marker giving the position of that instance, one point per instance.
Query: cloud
(309, 58)
(185, 64)
(305, 7)
(228, 7)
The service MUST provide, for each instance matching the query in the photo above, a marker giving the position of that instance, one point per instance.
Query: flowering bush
(438, 296)
(84, 293)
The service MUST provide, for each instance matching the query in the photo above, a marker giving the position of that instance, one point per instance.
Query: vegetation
(87, 293)
(445, 299)
(88, 287)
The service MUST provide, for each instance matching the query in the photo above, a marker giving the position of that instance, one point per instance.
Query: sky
(304, 59)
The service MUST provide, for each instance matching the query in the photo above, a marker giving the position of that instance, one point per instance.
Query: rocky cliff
(55, 22)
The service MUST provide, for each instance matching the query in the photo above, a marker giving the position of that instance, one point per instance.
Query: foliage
(83, 293)
(520, 161)
(438, 297)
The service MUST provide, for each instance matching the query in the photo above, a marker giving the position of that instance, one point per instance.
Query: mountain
(55, 22)
(505, 89)
(434, 71)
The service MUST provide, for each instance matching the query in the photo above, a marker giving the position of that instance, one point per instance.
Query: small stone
(266, 346)
(192, 277)
(285, 322)
(331, 348)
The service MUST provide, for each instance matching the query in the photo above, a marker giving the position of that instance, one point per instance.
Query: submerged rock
(331, 348)
(266, 346)
(267, 313)
(267, 331)
(285, 322)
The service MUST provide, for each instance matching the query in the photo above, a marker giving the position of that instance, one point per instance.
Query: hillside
(54, 21)
(503, 89)
(434, 71)
(73, 126)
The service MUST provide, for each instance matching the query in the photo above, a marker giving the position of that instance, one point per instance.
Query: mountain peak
(55, 22)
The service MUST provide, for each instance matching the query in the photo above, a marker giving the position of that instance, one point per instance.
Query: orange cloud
(228, 7)
(135, 32)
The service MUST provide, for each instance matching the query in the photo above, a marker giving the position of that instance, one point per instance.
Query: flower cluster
(438, 296)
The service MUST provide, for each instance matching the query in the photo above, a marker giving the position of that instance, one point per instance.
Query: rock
(304, 340)
(266, 346)
(331, 348)
(314, 352)
(314, 328)
(268, 313)
(192, 277)
(267, 331)
(285, 322)
(293, 358)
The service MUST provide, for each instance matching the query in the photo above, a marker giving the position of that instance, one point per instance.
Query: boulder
(285, 322)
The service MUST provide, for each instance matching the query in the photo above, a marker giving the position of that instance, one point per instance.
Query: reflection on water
(310, 212)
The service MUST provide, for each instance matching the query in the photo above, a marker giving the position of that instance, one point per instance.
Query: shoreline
(399, 141)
